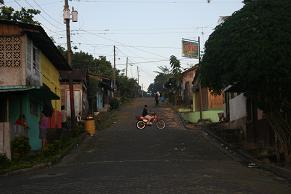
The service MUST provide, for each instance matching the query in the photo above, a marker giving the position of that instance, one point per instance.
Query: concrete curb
(243, 156)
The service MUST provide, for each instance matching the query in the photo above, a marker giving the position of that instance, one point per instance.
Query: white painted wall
(237, 107)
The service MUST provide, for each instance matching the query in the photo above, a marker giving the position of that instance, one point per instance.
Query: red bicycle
(141, 122)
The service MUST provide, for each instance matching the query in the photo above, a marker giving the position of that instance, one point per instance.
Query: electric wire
(44, 11)
(42, 15)
(124, 44)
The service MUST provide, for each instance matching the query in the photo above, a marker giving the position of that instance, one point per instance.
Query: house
(206, 106)
(101, 91)
(186, 86)
(80, 85)
(241, 112)
(29, 81)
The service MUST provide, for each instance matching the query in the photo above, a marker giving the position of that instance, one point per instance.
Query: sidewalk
(237, 152)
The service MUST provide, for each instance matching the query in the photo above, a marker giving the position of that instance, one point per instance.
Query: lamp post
(67, 18)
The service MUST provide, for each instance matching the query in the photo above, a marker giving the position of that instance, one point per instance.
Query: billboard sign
(190, 48)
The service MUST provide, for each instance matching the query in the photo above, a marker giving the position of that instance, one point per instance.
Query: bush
(114, 103)
(20, 147)
(53, 148)
(4, 161)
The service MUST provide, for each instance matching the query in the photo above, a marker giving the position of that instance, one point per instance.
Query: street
(123, 159)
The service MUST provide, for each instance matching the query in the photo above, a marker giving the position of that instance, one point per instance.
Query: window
(35, 59)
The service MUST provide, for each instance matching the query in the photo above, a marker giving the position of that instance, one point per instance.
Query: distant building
(205, 106)
(80, 85)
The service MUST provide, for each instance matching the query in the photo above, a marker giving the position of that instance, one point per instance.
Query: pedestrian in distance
(157, 98)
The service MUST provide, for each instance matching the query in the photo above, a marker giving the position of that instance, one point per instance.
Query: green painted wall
(193, 117)
(20, 102)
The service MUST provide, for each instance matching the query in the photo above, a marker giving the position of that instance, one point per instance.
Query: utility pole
(137, 75)
(69, 57)
(114, 69)
(200, 88)
(126, 66)
(68, 32)
(137, 80)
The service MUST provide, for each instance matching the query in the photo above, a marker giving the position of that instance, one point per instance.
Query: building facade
(29, 81)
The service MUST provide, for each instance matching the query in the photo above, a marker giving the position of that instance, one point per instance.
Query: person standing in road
(157, 97)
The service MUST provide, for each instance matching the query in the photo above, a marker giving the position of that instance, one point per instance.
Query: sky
(147, 32)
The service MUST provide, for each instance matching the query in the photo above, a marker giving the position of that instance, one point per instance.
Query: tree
(104, 67)
(176, 66)
(255, 54)
(252, 50)
(83, 60)
(24, 15)
(160, 80)
(174, 82)
(127, 87)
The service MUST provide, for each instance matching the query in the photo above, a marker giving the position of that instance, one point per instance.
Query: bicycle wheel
(160, 124)
(140, 124)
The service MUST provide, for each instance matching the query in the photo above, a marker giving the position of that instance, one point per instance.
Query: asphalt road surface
(123, 159)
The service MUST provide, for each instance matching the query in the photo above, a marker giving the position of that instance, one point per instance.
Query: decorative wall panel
(10, 52)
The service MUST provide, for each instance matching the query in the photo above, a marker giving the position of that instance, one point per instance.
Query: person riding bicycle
(146, 115)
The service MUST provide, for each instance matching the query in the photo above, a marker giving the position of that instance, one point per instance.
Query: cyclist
(146, 115)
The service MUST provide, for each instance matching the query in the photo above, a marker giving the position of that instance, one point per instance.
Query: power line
(18, 3)
(47, 13)
(154, 2)
(124, 44)
(41, 15)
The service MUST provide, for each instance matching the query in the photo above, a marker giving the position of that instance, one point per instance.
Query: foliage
(127, 87)
(104, 67)
(160, 80)
(20, 147)
(175, 65)
(100, 66)
(252, 49)
(173, 84)
(24, 15)
(4, 161)
(82, 60)
(53, 149)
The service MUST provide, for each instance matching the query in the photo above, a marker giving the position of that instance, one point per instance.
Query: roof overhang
(42, 92)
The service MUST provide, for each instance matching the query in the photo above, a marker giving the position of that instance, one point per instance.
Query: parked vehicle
(141, 122)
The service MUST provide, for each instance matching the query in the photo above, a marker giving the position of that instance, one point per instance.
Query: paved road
(122, 159)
